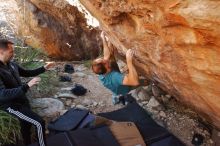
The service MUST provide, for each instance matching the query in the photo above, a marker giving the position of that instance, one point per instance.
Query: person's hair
(100, 66)
(4, 43)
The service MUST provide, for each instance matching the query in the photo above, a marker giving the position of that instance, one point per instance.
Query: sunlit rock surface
(58, 28)
(8, 19)
(177, 44)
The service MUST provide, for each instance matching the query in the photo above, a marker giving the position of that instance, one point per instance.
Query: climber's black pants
(28, 118)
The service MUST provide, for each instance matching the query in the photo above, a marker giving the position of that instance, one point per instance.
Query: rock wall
(58, 28)
(8, 19)
(177, 44)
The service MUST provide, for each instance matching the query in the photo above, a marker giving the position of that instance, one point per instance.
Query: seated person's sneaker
(115, 100)
(129, 99)
(122, 100)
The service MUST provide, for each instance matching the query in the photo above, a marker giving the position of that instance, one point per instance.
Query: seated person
(109, 73)
(12, 93)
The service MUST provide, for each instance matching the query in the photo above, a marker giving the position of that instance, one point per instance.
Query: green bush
(9, 129)
(49, 80)
(31, 58)
(26, 55)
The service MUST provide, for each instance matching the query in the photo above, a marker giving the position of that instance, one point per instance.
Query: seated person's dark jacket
(12, 90)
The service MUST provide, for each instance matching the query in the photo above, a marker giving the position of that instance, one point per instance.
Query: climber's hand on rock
(49, 65)
(130, 55)
(34, 81)
(102, 35)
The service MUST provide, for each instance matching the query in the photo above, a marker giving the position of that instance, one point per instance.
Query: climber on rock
(12, 92)
(110, 75)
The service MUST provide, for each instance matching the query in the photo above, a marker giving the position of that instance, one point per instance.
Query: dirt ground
(180, 121)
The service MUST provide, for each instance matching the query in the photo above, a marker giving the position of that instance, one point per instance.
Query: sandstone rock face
(58, 28)
(177, 44)
(8, 19)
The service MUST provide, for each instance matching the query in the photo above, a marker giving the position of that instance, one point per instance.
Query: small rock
(164, 99)
(168, 96)
(95, 104)
(148, 89)
(66, 89)
(79, 74)
(63, 112)
(101, 104)
(81, 107)
(73, 106)
(162, 114)
(153, 103)
(143, 95)
(161, 123)
(157, 92)
(140, 94)
(66, 95)
(211, 141)
(141, 104)
(80, 68)
(68, 102)
(134, 93)
(87, 102)
(197, 139)
(155, 112)
(145, 102)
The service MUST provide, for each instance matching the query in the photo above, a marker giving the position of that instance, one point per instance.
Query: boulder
(176, 42)
(47, 107)
(58, 28)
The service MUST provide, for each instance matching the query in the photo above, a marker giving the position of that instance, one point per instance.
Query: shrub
(26, 55)
(9, 129)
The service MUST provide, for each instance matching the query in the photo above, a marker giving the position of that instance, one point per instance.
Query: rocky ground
(179, 120)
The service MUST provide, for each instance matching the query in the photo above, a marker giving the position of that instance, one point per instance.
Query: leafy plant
(31, 58)
(49, 80)
(9, 129)
(28, 55)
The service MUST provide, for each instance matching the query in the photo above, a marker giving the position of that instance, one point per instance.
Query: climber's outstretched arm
(108, 49)
(131, 79)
